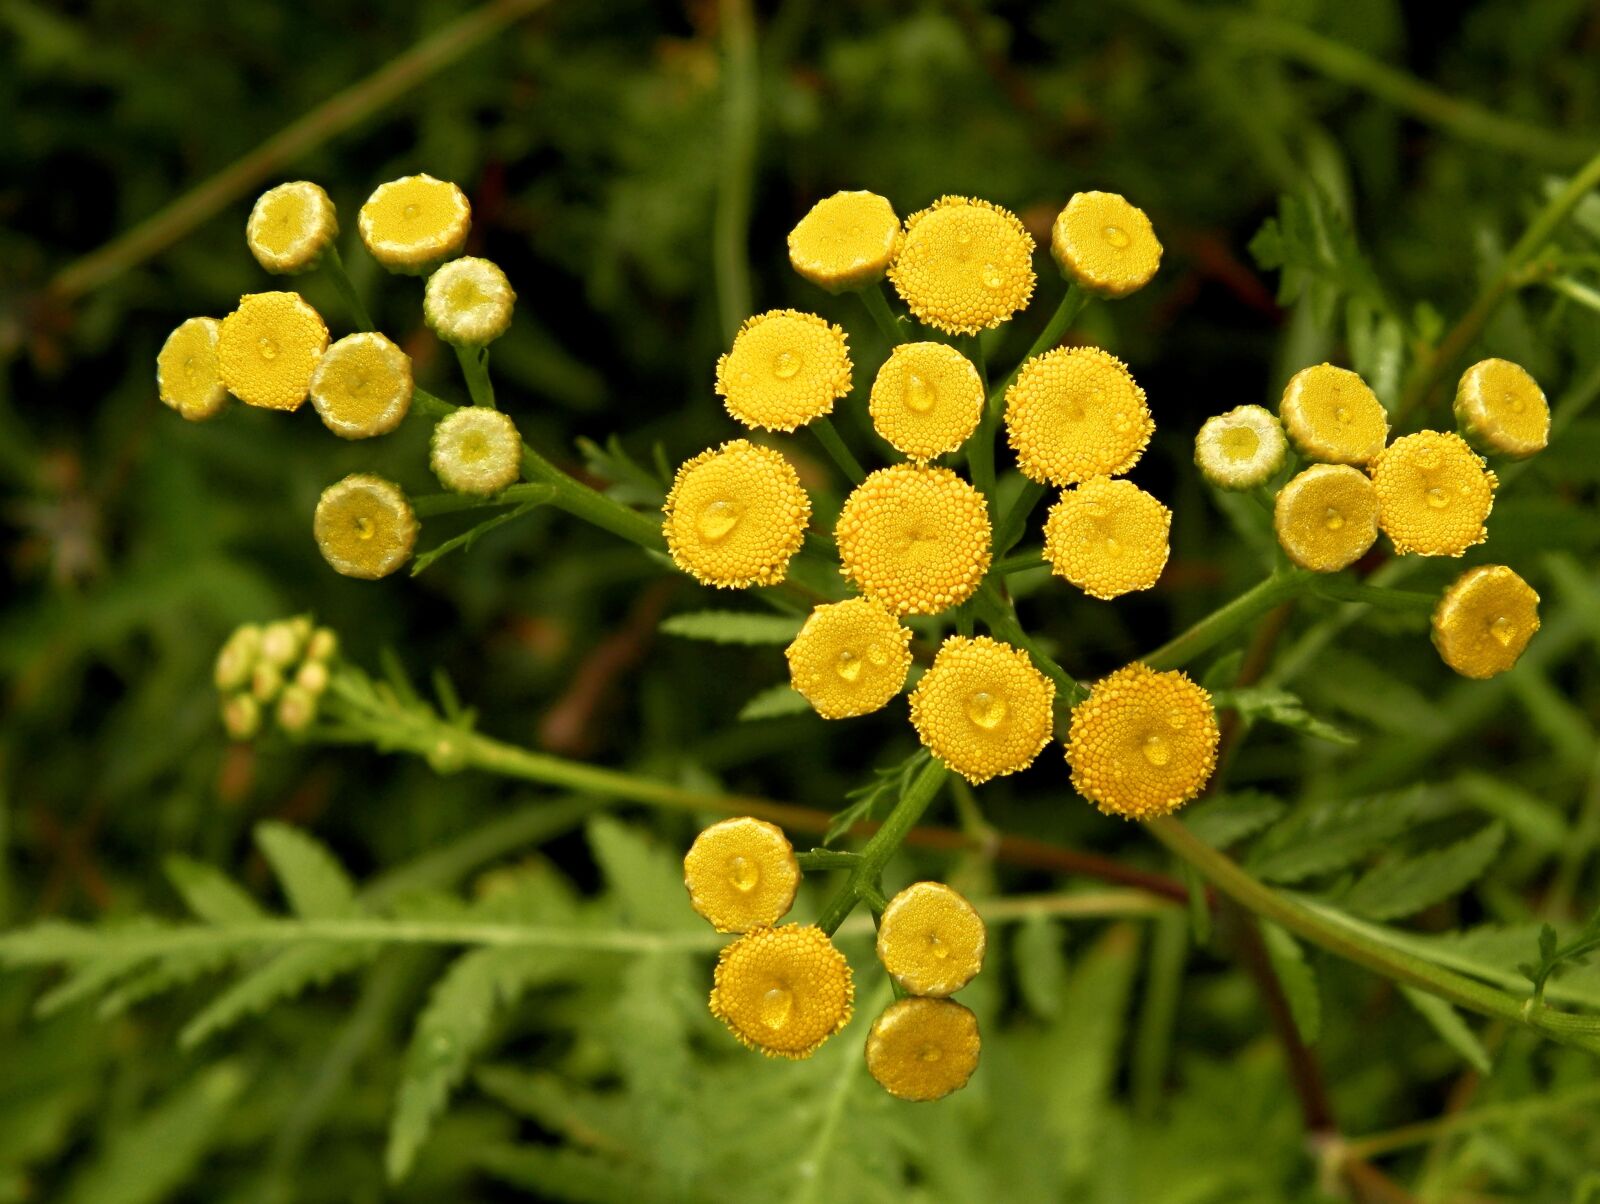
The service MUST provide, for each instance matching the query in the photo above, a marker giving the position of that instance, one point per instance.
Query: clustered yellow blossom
(846, 242)
(1332, 416)
(931, 940)
(412, 224)
(268, 348)
(965, 265)
(926, 400)
(1434, 494)
(291, 227)
(850, 658)
(1143, 743)
(1502, 409)
(736, 515)
(362, 386)
(188, 373)
(1484, 620)
(1108, 537)
(1327, 517)
(364, 526)
(741, 874)
(922, 1049)
(1104, 244)
(916, 539)
(283, 665)
(783, 990)
(1075, 413)
(468, 302)
(983, 709)
(476, 450)
(786, 369)
(1240, 449)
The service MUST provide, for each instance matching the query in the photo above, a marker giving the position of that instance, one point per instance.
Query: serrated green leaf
(1256, 703)
(733, 627)
(1329, 836)
(209, 893)
(294, 971)
(1298, 979)
(1228, 818)
(647, 879)
(1406, 885)
(1524, 812)
(1447, 1022)
(460, 543)
(312, 879)
(775, 702)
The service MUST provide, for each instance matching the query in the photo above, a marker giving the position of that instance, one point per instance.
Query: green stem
(1338, 588)
(1028, 558)
(333, 264)
(828, 435)
(878, 306)
(1071, 306)
(740, 116)
(996, 612)
(827, 859)
(1227, 621)
(1015, 523)
(475, 368)
(448, 503)
(1513, 1112)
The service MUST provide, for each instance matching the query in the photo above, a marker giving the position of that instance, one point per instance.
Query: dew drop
(919, 395)
(1117, 236)
(847, 666)
(269, 349)
(411, 210)
(1343, 416)
(986, 710)
(365, 528)
(1333, 520)
(742, 872)
(991, 276)
(717, 519)
(775, 1007)
(937, 947)
(1156, 750)
(1516, 404)
(1113, 548)
(929, 1053)
(785, 365)
(1503, 630)
(1437, 498)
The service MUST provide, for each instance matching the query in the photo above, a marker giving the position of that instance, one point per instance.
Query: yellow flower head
(736, 515)
(468, 302)
(926, 400)
(1075, 413)
(362, 386)
(1105, 245)
(364, 526)
(290, 227)
(783, 990)
(1484, 620)
(931, 940)
(850, 658)
(785, 369)
(476, 450)
(268, 347)
(188, 375)
(965, 265)
(1107, 537)
(983, 709)
(1502, 409)
(1143, 743)
(1332, 416)
(412, 224)
(1327, 517)
(916, 539)
(846, 242)
(1434, 493)
(1240, 449)
(741, 874)
(923, 1049)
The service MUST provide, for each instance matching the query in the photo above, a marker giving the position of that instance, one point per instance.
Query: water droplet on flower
(1504, 630)
(269, 349)
(986, 710)
(1342, 415)
(1333, 520)
(1437, 498)
(743, 874)
(412, 210)
(919, 395)
(785, 365)
(929, 1053)
(1113, 548)
(1156, 750)
(848, 665)
(717, 519)
(937, 947)
(1117, 236)
(1516, 403)
(775, 1007)
(990, 276)
(365, 528)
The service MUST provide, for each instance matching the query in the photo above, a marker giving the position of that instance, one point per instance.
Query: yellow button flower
(983, 709)
(923, 1049)
(1104, 244)
(736, 516)
(290, 227)
(1327, 517)
(188, 373)
(786, 368)
(476, 450)
(850, 658)
(783, 990)
(364, 526)
(362, 386)
(1075, 413)
(468, 302)
(916, 539)
(1332, 416)
(1240, 449)
(1143, 743)
(741, 874)
(1484, 620)
(268, 348)
(1107, 537)
(412, 224)
(1502, 409)
(926, 400)
(965, 265)
(931, 940)
(1434, 493)
(846, 242)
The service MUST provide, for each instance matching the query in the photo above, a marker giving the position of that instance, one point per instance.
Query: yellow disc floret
(1104, 244)
(916, 539)
(1484, 620)
(412, 224)
(923, 1049)
(268, 348)
(965, 265)
(846, 242)
(850, 658)
(1143, 743)
(291, 226)
(1075, 413)
(362, 386)
(926, 400)
(476, 450)
(1434, 493)
(931, 940)
(736, 516)
(1332, 416)
(1240, 449)
(364, 526)
(783, 990)
(1326, 517)
(1108, 537)
(1502, 409)
(468, 302)
(983, 709)
(786, 368)
(741, 874)
(188, 374)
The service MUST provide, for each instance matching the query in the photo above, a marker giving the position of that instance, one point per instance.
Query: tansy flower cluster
(279, 670)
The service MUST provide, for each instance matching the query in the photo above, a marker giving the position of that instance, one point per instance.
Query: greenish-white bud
(476, 451)
(323, 645)
(237, 660)
(297, 710)
(313, 677)
(1240, 449)
(281, 643)
(265, 681)
(468, 302)
(241, 716)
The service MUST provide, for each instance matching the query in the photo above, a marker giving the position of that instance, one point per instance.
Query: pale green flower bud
(241, 716)
(312, 677)
(468, 302)
(237, 660)
(1240, 449)
(297, 710)
(476, 451)
(265, 681)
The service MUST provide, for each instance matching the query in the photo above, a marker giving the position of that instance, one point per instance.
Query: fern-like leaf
(1407, 885)
(313, 881)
